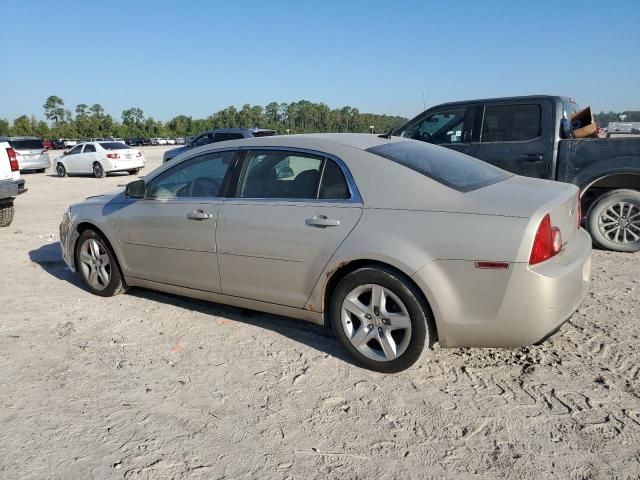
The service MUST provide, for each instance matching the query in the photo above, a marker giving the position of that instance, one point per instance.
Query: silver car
(392, 243)
(31, 153)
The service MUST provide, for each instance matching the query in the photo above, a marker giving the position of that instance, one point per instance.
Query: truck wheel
(614, 221)
(6, 214)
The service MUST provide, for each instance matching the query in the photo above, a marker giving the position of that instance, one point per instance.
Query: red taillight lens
(13, 159)
(548, 242)
(113, 155)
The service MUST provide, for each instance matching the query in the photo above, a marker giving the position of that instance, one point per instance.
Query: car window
(89, 149)
(203, 176)
(75, 150)
(438, 127)
(203, 140)
(453, 169)
(280, 174)
(333, 185)
(511, 123)
(114, 145)
(27, 144)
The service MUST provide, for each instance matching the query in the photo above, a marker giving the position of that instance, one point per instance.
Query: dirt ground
(147, 385)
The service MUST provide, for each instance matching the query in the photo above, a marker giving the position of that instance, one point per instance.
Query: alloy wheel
(95, 264)
(376, 322)
(620, 223)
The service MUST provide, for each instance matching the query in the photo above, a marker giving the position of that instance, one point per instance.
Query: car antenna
(386, 135)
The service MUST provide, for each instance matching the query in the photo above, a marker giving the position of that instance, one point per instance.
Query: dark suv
(218, 135)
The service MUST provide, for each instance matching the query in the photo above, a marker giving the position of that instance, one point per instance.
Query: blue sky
(197, 57)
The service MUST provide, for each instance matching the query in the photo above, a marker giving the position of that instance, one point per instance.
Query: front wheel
(614, 221)
(60, 170)
(6, 214)
(98, 171)
(97, 265)
(380, 318)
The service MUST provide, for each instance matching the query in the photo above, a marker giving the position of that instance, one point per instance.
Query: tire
(614, 221)
(401, 298)
(107, 266)
(6, 214)
(134, 171)
(98, 170)
(60, 170)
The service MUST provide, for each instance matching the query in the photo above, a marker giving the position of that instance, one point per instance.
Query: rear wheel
(60, 170)
(97, 265)
(98, 171)
(380, 318)
(6, 214)
(614, 221)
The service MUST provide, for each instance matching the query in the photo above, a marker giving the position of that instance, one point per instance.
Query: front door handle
(199, 215)
(321, 221)
(532, 157)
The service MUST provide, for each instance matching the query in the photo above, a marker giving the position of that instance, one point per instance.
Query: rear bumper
(34, 164)
(11, 188)
(518, 307)
(124, 165)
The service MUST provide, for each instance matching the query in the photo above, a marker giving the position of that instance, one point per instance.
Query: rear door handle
(321, 221)
(532, 157)
(199, 215)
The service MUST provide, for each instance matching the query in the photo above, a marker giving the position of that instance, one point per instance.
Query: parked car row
(63, 143)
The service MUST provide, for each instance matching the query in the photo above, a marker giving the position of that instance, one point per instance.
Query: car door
(73, 160)
(445, 126)
(88, 156)
(509, 136)
(289, 213)
(169, 235)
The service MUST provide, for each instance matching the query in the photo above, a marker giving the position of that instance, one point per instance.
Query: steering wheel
(422, 136)
(205, 187)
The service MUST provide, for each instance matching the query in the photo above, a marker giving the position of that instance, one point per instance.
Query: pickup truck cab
(532, 136)
(11, 185)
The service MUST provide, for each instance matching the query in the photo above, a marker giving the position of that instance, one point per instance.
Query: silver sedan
(392, 243)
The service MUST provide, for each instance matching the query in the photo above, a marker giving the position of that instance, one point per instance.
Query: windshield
(27, 144)
(114, 146)
(453, 169)
(264, 133)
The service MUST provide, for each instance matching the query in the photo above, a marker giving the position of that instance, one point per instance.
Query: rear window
(264, 133)
(28, 144)
(453, 169)
(113, 145)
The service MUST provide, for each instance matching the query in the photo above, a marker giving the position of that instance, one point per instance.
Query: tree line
(87, 121)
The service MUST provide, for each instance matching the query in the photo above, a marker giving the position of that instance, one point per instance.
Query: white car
(70, 143)
(162, 141)
(100, 158)
(171, 141)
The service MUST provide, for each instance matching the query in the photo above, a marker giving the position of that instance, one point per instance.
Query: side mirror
(135, 189)
(66, 152)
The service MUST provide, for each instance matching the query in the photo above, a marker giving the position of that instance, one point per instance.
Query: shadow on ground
(49, 257)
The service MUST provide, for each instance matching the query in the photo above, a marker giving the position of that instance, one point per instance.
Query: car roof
(527, 98)
(25, 137)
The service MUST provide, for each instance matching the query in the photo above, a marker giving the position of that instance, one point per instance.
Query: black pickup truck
(532, 136)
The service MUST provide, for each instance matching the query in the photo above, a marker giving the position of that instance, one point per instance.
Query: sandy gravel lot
(147, 385)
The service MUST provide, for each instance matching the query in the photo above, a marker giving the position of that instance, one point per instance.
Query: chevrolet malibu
(392, 243)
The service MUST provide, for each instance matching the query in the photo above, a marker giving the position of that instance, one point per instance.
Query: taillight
(548, 242)
(113, 155)
(13, 159)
